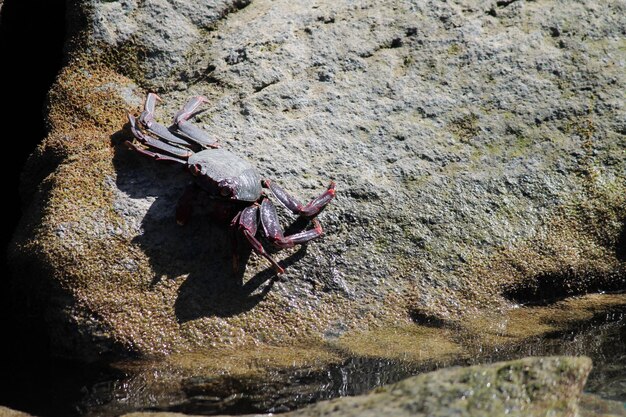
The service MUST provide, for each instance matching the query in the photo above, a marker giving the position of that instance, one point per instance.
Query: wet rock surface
(593, 406)
(477, 147)
(526, 387)
(268, 379)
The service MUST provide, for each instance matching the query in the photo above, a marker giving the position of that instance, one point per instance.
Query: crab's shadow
(202, 249)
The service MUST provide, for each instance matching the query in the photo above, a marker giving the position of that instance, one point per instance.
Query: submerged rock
(594, 406)
(477, 148)
(527, 387)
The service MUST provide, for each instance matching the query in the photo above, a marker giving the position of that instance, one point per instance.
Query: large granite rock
(478, 150)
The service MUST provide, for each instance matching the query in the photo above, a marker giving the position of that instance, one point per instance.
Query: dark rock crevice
(23, 347)
(23, 111)
(548, 288)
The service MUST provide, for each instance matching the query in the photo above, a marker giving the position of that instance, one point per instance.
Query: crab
(229, 180)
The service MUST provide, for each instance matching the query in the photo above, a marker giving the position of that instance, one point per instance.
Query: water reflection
(107, 392)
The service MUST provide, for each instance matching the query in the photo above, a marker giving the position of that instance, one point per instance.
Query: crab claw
(311, 209)
(247, 221)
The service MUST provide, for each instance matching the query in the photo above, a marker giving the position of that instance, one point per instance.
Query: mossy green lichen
(125, 59)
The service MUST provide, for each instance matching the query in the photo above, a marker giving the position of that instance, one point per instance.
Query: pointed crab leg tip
(131, 119)
(318, 226)
(156, 96)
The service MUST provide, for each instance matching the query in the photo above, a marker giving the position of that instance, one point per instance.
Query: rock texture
(478, 149)
(167, 38)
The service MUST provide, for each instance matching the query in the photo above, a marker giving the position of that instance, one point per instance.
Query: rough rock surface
(167, 37)
(478, 149)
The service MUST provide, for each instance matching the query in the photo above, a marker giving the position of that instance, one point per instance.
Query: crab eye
(196, 169)
(226, 187)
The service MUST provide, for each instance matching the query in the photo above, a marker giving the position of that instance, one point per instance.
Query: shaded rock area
(4, 411)
(477, 148)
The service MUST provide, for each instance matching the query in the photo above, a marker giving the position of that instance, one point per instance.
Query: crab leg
(147, 119)
(155, 155)
(189, 109)
(156, 143)
(274, 232)
(247, 221)
(312, 209)
(189, 130)
(148, 106)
